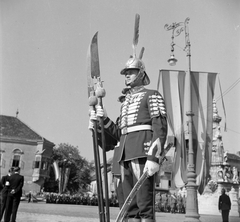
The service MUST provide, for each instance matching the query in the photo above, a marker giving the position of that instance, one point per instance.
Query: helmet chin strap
(140, 76)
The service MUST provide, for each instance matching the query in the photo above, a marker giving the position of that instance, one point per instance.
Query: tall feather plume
(136, 34)
(141, 53)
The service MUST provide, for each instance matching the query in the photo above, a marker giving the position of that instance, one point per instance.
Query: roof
(232, 156)
(13, 128)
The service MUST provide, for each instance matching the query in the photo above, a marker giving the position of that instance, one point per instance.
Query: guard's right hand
(90, 125)
(151, 167)
(92, 115)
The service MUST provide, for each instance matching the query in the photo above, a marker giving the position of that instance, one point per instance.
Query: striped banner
(202, 94)
(66, 178)
(171, 86)
(56, 170)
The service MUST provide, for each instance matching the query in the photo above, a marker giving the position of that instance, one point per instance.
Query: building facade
(23, 147)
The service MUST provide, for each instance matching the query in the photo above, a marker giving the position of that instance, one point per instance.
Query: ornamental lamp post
(192, 214)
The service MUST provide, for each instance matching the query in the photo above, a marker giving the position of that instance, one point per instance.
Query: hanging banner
(202, 94)
(56, 170)
(171, 86)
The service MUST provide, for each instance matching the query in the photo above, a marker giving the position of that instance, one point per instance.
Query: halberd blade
(93, 69)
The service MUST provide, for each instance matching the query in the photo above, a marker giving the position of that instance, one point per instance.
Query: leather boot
(147, 220)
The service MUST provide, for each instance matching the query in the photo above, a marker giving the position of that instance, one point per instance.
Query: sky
(44, 47)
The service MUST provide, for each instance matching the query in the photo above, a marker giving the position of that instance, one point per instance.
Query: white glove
(92, 115)
(101, 112)
(91, 125)
(151, 167)
(92, 118)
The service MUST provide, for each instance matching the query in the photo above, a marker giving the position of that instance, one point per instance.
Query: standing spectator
(6, 186)
(29, 197)
(224, 205)
(184, 200)
(173, 204)
(180, 204)
(160, 202)
(14, 196)
(166, 203)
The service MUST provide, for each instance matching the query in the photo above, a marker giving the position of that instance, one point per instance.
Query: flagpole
(192, 214)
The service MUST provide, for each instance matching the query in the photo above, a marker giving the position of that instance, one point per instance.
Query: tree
(79, 169)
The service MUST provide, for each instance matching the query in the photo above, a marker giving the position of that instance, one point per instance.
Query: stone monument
(222, 174)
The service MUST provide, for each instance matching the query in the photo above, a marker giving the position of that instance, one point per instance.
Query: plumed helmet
(137, 63)
(134, 62)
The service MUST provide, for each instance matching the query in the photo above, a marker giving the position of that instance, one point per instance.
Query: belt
(131, 129)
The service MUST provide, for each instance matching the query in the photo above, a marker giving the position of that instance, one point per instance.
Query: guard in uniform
(142, 131)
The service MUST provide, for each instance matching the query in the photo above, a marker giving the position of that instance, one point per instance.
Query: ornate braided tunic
(142, 125)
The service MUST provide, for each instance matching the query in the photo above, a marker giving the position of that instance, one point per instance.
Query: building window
(16, 158)
(169, 183)
(44, 165)
(37, 162)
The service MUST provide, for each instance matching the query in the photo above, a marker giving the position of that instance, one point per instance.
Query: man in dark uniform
(14, 196)
(6, 185)
(224, 205)
(166, 203)
(173, 203)
(142, 131)
(180, 204)
(159, 203)
(29, 197)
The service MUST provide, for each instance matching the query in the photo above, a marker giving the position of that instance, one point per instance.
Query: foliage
(80, 169)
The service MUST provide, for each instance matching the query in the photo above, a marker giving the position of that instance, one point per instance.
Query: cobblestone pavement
(34, 217)
(41, 212)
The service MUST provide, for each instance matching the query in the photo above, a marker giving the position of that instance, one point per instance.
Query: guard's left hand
(151, 167)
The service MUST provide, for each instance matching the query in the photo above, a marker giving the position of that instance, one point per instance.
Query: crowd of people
(170, 203)
(79, 199)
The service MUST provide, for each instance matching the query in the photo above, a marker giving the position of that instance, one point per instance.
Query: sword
(122, 213)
